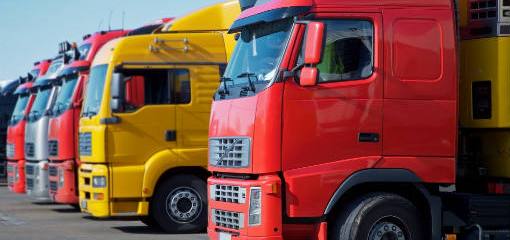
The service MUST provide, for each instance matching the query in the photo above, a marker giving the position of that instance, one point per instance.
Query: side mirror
(117, 92)
(314, 43)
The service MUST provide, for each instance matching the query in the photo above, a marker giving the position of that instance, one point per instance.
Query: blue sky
(31, 29)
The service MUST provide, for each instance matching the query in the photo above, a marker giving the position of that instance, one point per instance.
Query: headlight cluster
(60, 178)
(255, 206)
(16, 174)
(99, 181)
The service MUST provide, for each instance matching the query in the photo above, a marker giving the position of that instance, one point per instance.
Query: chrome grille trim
(10, 149)
(53, 186)
(230, 152)
(30, 183)
(227, 219)
(29, 149)
(228, 193)
(85, 141)
(53, 148)
(29, 170)
(53, 171)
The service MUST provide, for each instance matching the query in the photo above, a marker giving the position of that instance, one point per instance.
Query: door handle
(368, 137)
(171, 135)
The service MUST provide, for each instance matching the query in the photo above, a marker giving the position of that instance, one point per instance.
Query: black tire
(184, 194)
(379, 216)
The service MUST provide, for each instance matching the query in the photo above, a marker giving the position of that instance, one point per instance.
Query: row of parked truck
(280, 119)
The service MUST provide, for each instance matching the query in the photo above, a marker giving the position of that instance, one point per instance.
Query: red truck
(15, 149)
(339, 119)
(65, 115)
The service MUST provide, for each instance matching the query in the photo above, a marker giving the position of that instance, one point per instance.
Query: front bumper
(89, 196)
(16, 176)
(225, 210)
(36, 179)
(62, 182)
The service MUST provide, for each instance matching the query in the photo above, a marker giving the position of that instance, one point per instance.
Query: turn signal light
(99, 196)
(451, 237)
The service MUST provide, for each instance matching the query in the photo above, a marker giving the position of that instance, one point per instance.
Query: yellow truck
(144, 122)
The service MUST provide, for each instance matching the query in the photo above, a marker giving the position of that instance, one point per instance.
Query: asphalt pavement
(23, 219)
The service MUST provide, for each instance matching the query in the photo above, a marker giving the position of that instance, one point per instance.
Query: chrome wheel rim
(183, 205)
(388, 229)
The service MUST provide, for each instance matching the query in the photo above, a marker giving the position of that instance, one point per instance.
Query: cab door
(146, 125)
(335, 127)
(193, 112)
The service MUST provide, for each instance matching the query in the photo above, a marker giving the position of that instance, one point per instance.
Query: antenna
(99, 25)
(110, 21)
(123, 16)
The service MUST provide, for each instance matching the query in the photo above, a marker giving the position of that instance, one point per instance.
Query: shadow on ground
(139, 230)
(110, 219)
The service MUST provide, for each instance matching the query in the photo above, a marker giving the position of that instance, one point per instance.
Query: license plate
(225, 236)
(83, 204)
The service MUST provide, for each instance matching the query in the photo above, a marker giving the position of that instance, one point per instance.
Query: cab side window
(348, 51)
(156, 87)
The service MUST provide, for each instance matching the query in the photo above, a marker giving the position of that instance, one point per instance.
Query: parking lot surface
(23, 219)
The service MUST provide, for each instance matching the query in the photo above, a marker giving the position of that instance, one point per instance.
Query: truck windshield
(19, 109)
(41, 101)
(35, 72)
(65, 95)
(94, 93)
(257, 54)
(84, 51)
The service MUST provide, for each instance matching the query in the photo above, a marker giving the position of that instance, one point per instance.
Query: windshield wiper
(34, 114)
(249, 75)
(60, 107)
(225, 90)
(89, 113)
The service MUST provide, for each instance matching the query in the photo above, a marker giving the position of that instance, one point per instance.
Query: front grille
(53, 148)
(29, 170)
(231, 152)
(9, 150)
(29, 149)
(10, 181)
(483, 9)
(53, 171)
(3, 169)
(226, 219)
(11, 174)
(227, 193)
(30, 183)
(53, 186)
(85, 141)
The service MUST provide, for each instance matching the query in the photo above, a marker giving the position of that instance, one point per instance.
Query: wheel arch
(165, 164)
(397, 181)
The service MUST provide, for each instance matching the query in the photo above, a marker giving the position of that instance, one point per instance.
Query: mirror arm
(293, 72)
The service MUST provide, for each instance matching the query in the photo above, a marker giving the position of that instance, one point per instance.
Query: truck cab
(15, 148)
(143, 128)
(36, 134)
(340, 119)
(64, 117)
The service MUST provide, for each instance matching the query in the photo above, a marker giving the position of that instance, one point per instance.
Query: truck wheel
(180, 205)
(380, 216)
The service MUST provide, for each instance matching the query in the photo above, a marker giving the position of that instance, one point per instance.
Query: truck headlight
(99, 182)
(60, 177)
(16, 174)
(255, 206)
